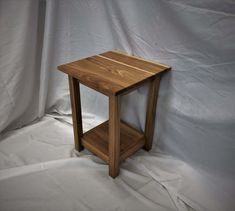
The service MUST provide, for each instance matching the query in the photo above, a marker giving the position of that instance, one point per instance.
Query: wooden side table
(114, 74)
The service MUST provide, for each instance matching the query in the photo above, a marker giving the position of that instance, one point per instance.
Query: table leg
(114, 135)
(76, 112)
(151, 112)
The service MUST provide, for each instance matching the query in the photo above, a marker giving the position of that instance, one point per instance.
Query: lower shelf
(96, 140)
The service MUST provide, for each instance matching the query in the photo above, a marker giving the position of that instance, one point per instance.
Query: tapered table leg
(151, 112)
(114, 135)
(76, 112)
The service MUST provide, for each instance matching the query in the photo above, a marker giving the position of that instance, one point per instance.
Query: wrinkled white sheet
(40, 171)
(196, 104)
(196, 112)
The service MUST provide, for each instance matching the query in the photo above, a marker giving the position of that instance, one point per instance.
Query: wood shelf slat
(96, 140)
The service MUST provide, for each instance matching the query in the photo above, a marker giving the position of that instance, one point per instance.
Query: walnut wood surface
(135, 62)
(151, 112)
(114, 135)
(112, 73)
(97, 140)
(76, 112)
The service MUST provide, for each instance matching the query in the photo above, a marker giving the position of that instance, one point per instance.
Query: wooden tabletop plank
(89, 79)
(136, 62)
(121, 71)
(112, 73)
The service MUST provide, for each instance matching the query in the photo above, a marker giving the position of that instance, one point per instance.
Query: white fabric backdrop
(196, 107)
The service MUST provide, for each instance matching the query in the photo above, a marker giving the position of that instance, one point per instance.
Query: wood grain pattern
(136, 62)
(112, 73)
(114, 135)
(97, 140)
(151, 112)
(76, 112)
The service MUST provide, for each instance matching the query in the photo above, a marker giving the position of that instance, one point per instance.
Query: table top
(113, 72)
